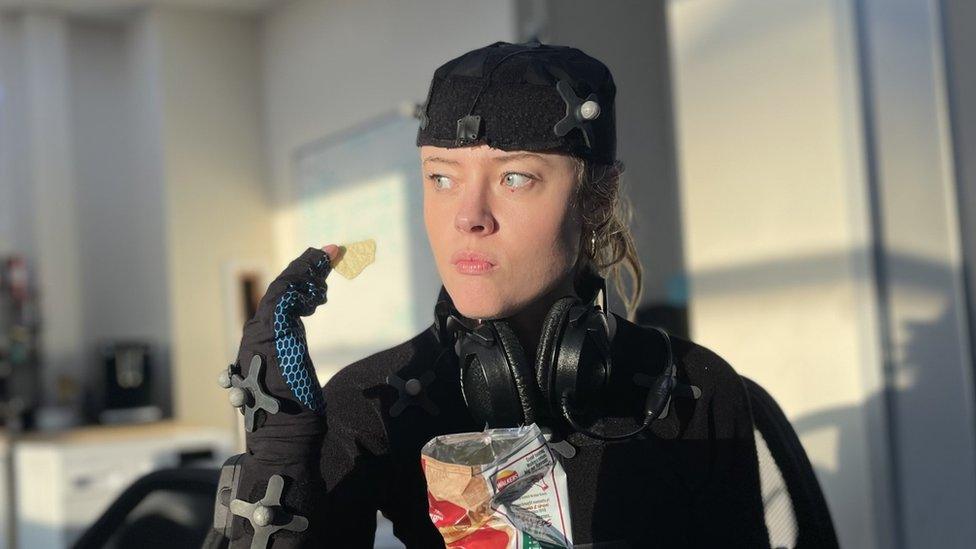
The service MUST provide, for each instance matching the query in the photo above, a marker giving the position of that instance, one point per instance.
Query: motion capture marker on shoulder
(579, 112)
(267, 515)
(248, 394)
(355, 257)
(411, 392)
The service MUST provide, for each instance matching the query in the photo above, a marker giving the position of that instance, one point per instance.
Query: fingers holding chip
(350, 259)
(333, 251)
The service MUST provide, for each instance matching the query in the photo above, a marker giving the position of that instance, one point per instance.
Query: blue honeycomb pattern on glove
(289, 334)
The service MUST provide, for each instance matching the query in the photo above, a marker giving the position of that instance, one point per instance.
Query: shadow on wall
(913, 386)
(921, 405)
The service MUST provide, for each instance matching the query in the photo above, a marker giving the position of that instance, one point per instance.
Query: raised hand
(268, 494)
(277, 334)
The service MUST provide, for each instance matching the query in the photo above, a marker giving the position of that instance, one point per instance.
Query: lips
(472, 256)
(470, 262)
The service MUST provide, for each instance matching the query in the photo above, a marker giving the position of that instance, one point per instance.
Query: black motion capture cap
(531, 97)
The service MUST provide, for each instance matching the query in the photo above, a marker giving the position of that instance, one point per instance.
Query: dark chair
(165, 508)
(796, 511)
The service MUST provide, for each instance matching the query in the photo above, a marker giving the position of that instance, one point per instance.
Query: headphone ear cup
(582, 363)
(476, 388)
(521, 376)
(487, 383)
(552, 328)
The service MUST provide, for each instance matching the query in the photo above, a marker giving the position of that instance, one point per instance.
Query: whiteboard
(358, 184)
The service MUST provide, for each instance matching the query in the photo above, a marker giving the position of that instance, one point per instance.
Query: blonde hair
(606, 244)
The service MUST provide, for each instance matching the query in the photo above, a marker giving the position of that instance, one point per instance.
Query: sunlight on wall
(381, 296)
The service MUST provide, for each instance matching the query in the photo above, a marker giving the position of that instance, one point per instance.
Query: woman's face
(510, 212)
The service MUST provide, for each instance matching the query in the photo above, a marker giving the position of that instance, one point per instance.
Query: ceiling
(112, 7)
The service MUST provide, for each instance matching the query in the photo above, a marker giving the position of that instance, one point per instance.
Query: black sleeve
(355, 464)
(727, 507)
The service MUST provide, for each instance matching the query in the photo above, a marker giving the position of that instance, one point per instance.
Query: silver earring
(592, 243)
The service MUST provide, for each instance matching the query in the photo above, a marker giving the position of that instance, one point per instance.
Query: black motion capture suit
(321, 463)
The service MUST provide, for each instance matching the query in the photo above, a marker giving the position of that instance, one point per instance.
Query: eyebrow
(519, 156)
(497, 160)
(441, 160)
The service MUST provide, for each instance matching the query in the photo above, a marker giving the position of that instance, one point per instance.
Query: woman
(521, 207)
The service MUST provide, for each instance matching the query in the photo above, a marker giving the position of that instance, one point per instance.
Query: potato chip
(355, 257)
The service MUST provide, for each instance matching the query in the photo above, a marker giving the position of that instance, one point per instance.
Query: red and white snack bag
(497, 489)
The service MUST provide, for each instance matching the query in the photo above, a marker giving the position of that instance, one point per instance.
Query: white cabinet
(65, 481)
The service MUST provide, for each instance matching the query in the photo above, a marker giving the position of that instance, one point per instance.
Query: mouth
(473, 263)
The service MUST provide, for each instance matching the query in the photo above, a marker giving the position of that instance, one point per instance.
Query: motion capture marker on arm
(412, 392)
(267, 516)
(230, 479)
(248, 393)
(224, 378)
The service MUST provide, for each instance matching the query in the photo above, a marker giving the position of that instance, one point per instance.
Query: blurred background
(802, 173)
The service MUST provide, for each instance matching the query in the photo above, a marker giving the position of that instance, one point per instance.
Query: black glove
(274, 383)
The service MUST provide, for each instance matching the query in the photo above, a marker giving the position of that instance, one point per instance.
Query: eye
(515, 180)
(441, 182)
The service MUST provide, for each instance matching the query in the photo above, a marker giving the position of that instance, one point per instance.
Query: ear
(586, 278)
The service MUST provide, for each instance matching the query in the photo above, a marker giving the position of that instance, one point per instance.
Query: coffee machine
(127, 368)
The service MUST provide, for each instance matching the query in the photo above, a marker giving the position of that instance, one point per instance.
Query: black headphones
(502, 388)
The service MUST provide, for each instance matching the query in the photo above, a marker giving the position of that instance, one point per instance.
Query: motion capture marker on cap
(468, 129)
(589, 110)
(267, 516)
(411, 392)
(579, 113)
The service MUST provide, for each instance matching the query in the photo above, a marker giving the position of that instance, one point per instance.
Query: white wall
(203, 71)
(332, 65)
(958, 17)
(140, 182)
(120, 211)
(823, 243)
(76, 204)
(14, 199)
(47, 192)
(777, 229)
(929, 356)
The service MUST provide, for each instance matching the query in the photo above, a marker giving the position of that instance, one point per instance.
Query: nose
(474, 215)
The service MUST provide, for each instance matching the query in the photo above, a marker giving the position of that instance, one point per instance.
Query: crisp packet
(497, 489)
